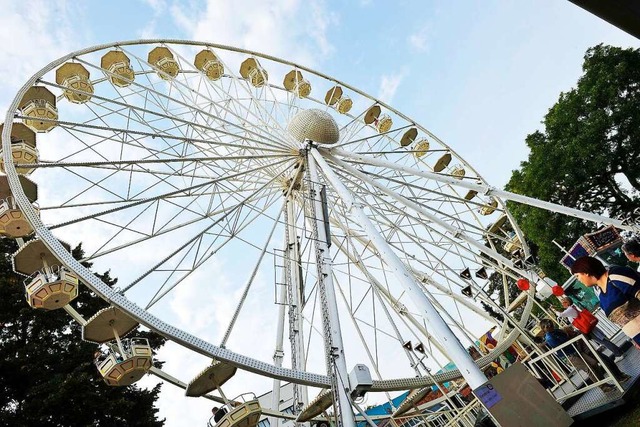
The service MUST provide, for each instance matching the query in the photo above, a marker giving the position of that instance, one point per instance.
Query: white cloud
(420, 39)
(34, 33)
(389, 85)
(158, 8)
(290, 29)
(157, 5)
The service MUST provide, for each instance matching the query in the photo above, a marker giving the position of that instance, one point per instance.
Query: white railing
(570, 366)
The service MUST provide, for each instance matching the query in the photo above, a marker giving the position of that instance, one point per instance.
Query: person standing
(571, 312)
(619, 292)
(631, 249)
(218, 413)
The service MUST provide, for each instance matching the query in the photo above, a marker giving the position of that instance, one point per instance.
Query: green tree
(586, 157)
(47, 375)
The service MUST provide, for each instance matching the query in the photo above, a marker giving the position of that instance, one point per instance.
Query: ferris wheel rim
(112, 296)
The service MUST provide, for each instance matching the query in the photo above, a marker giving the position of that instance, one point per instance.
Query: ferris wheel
(326, 227)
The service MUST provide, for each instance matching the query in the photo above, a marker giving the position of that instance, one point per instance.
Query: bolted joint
(488, 190)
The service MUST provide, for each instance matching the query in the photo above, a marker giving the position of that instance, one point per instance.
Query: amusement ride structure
(353, 228)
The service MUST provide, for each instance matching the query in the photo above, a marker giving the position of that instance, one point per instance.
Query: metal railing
(572, 368)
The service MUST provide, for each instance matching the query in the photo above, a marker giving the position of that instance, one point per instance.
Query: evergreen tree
(47, 374)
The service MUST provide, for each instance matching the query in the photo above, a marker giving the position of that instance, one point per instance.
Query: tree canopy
(586, 157)
(47, 374)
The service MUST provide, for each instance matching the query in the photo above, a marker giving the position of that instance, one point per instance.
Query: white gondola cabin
(13, 223)
(321, 403)
(34, 256)
(127, 364)
(489, 208)
(23, 148)
(442, 162)
(252, 71)
(118, 68)
(75, 78)
(108, 324)
(207, 62)
(372, 114)
(52, 288)
(384, 123)
(513, 243)
(129, 359)
(296, 84)
(338, 100)
(39, 105)
(421, 148)
(458, 171)
(243, 411)
(211, 378)
(408, 137)
(162, 59)
(470, 194)
(381, 123)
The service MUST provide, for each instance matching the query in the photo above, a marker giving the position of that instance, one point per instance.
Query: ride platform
(595, 401)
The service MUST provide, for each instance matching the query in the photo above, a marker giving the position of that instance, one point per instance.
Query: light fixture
(482, 274)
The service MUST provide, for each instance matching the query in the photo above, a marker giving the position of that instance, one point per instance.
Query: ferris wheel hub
(315, 125)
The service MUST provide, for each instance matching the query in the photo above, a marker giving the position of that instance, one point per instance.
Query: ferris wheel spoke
(207, 253)
(170, 283)
(398, 335)
(241, 84)
(384, 208)
(76, 125)
(176, 120)
(442, 273)
(359, 261)
(254, 272)
(129, 205)
(452, 201)
(374, 140)
(447, 227)
(159, 230)
(196, 238)
(372, 356)
(257, 131)
(115, 164)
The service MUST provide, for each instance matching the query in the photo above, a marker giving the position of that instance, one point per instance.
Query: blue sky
(479, 74)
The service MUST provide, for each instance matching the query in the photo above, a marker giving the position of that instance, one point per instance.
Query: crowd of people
(618, 291)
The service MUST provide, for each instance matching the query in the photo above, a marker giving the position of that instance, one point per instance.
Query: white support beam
(455, 232)
(486, 190)
(336, 363)
(456, 350)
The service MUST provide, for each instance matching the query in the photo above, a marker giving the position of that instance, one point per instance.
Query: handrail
(557, 361)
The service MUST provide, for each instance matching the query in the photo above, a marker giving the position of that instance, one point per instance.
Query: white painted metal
(296, 294)
(334, 347)
(458, 353)
(489, 191)
(230, 141)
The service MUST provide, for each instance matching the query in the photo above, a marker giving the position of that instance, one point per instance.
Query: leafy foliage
(586, 157)
(47, 375)
(493, 313)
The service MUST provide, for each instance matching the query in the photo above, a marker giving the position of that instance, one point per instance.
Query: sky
(478, 74)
